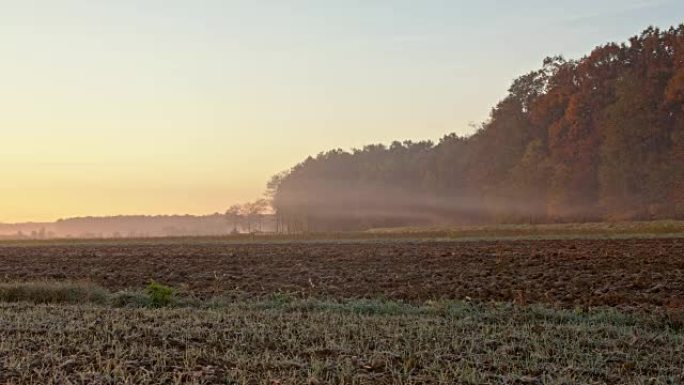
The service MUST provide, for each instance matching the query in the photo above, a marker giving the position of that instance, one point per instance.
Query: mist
(598, 138)
(141, 226)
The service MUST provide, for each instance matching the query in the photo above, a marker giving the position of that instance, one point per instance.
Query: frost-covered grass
(282, 339)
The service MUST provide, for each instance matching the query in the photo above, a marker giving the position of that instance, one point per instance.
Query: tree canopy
(599, 138)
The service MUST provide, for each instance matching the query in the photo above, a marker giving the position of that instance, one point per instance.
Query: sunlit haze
(161, 107)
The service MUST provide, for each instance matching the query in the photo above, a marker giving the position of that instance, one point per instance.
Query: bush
(160, 295)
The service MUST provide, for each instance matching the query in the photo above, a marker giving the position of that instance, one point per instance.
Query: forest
(596, 138)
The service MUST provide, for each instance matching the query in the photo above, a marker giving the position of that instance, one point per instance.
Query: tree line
(597, 138)
(248, 217)
(252, 217)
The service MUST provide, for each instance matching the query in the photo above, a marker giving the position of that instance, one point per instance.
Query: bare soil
(632, 273)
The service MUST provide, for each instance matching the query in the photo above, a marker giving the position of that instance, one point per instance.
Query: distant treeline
(600, 138)
(140, 226)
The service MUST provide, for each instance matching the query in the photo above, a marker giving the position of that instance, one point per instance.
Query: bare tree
(233, 214)
(259, 208)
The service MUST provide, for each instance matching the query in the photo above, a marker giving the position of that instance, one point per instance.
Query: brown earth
(633, 273)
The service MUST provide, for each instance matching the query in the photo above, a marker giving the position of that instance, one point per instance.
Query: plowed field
(634, 273)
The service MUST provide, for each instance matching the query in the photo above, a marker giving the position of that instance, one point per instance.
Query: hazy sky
(145, 107)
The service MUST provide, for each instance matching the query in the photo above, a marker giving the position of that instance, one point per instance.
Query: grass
(282, 339)
(53, 292)
(630, 229)
(588, 230)
(69, 292)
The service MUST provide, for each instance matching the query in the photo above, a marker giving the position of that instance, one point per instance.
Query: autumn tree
(600, 137)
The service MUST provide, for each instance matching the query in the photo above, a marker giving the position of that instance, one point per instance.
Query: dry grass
(53, 292)
(585, 230)
(283, 340)
(643, 229)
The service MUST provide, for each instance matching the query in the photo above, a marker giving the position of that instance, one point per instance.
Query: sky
(185, 107)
